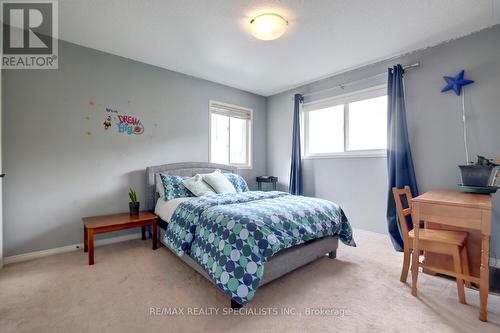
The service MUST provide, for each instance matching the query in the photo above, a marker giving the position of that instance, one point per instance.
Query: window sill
(237, 166)
(346, 155)
(243, 167)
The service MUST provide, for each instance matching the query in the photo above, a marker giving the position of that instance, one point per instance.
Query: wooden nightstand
(107, 223)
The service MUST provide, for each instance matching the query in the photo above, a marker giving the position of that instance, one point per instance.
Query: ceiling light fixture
(268, 26)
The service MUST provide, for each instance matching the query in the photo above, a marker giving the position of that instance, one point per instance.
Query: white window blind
(230, 111)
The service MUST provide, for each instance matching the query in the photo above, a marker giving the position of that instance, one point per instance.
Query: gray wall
(61, 165)
(60, 162)
(434, 122)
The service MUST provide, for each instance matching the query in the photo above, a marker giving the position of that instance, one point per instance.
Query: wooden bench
(107, 223)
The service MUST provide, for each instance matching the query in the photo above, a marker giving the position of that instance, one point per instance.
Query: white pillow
(219, 182)
(197, 186)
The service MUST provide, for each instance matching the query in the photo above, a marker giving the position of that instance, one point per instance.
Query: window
(349, 125)
(230, 134)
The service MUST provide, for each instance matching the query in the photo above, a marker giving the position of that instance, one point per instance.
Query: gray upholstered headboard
(178, 169)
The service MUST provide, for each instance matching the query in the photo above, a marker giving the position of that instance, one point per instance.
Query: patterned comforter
(231, 236)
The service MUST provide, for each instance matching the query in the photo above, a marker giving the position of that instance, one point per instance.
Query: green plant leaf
(132, 195)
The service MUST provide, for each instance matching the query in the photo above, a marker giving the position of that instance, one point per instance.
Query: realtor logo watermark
(29, 34)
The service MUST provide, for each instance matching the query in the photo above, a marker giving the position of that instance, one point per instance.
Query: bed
(244, 263)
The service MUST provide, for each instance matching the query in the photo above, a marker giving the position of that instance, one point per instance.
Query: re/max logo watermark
(29, 34)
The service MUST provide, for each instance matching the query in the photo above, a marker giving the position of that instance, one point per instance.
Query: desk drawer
(451, 215)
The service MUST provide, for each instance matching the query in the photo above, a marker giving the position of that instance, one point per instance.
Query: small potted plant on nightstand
(133, 204)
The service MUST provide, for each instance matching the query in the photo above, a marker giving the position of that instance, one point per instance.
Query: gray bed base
(280, 264)
(283, 262)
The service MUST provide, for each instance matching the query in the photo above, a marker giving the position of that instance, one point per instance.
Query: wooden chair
(452, 243)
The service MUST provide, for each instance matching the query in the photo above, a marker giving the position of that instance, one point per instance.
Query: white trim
(382, 236)
(249, 134)
(376, 153)
(68, 248)
(118, 239)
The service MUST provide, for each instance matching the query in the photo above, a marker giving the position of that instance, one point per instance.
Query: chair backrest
(403, 212)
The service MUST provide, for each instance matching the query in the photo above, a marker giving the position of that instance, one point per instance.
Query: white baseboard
(40, 254)
(495, 262)
(68, 248)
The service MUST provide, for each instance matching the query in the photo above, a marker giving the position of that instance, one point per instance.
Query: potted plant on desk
(479, 177)
(133, 205)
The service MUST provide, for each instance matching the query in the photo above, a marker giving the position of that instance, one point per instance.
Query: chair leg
(406, 265)
(465, 264)
(458, 269)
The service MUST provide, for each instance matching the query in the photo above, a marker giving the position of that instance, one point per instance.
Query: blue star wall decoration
(456, 83)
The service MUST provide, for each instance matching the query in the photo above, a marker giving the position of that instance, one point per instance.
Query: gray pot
(476, 175)
(134, 208)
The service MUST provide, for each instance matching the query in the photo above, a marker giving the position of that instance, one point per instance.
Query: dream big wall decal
(126, 124)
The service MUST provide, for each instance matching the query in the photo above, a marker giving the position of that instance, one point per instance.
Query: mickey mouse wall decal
(107, 123)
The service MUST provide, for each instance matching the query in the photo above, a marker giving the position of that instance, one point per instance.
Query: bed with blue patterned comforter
(231, 236)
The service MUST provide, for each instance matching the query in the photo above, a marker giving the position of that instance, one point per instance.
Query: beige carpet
(62, 294)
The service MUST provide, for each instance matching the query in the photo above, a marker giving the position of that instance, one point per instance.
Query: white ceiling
(210, 39)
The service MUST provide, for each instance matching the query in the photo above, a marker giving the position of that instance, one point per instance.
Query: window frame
(345, 99)
(249, 154)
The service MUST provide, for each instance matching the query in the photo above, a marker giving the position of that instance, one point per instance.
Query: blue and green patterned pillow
(240, 185)
(174, 188)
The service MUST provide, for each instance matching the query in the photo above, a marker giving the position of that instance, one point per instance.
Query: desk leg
(155, 237)
(85, 240)
(143, 232)
(424, 270)
(416, 250)
(90, 240)
(484, 278)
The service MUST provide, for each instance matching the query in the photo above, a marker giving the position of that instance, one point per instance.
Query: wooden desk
(457, 211)
(106, 223)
